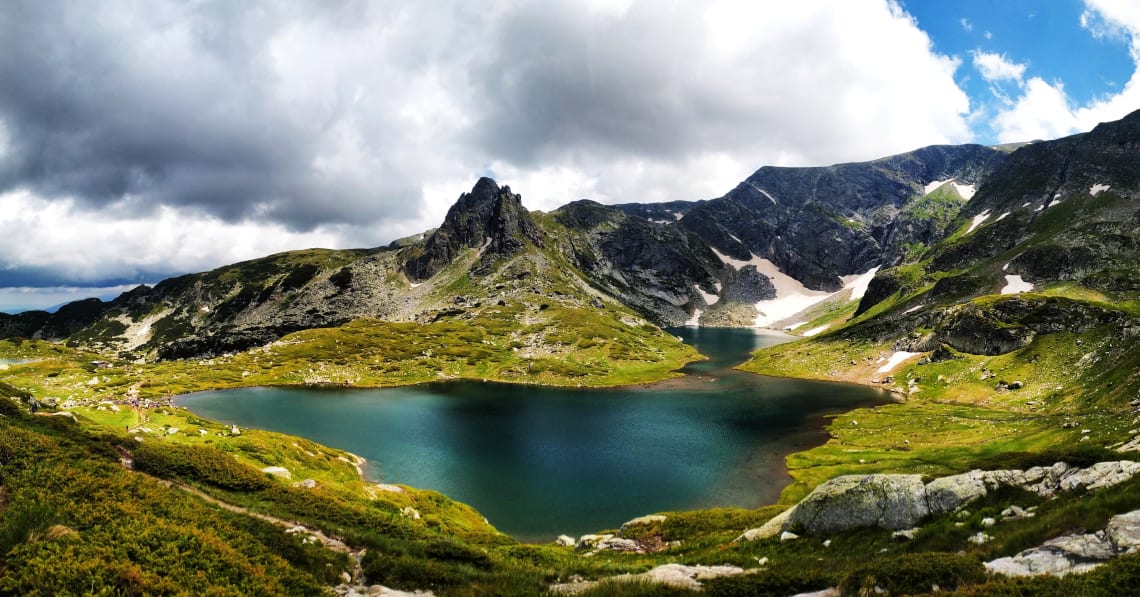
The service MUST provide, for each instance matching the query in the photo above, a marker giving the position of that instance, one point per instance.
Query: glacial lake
(539, 461)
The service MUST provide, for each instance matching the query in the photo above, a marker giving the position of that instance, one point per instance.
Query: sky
(144, 139)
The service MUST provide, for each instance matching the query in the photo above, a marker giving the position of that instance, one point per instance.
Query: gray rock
(906, 535)
(788, 536)
(768, 529)
(892, 502)
(949, 494)
(590, 541)
(678, 575)
(641, 521)
(979, 538)
(1123, 531)
(277, 471)
(1069, 554)
(565, 541)
(618, 544)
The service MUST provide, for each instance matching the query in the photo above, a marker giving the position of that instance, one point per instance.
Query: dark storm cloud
(168, 103)
(166, 135)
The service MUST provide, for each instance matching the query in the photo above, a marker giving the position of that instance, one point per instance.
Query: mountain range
(993, 291)
(708, 261)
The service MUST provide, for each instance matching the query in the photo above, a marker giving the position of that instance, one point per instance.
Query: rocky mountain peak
(489, 218)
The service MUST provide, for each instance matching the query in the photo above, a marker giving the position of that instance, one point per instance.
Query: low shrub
(199, 463)
(916, 573)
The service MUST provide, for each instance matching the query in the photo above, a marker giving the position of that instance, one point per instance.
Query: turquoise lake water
(539, 462)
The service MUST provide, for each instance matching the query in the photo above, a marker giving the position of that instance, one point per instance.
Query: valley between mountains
(994, 291)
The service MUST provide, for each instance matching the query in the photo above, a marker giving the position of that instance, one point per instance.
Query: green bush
(198, 463)
(916, 573)
(787, 580)
(1080, 456)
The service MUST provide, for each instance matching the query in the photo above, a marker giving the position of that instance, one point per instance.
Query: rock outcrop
(1074, 554)
(897, 502)
(489, 218)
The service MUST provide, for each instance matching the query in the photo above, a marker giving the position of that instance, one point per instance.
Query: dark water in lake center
(539, 461)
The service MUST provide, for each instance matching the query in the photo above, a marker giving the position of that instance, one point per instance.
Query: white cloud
(996, 67)
(289, 125)
(25, 298)
(1044, 110)
(966, 24)
(88, 246)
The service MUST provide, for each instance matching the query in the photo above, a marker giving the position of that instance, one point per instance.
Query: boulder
(949, 494)
(590, 541)
(689, 577)
(641, 521)
(892, 502)
(768, 529)
(1123, 531)
(618, 544)
(1068, 554)
(277, 471)
(564, 540)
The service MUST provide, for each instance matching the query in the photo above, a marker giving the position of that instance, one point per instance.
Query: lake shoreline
(758, 478)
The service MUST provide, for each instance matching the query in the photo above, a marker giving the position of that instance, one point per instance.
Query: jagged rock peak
(490, 218)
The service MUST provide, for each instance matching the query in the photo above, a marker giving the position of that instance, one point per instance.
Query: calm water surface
(538, 462)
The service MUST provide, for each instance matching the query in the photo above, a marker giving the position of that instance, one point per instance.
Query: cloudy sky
(141, 139)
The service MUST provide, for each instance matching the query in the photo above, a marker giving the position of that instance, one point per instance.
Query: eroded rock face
(897, 502)
(489, 218)
(1074, 554)
(1123, 532)
(854, 501)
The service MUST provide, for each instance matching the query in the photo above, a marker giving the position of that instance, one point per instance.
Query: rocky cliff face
(489, 218)
(1056, 211)
(660, 270)
(818, 224)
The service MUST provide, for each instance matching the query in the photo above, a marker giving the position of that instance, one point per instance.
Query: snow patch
(1005, 268)
(1015, 285)
(978, 219)
(858, 283)
(792, 296)
(139, 332)
(416, 284)
(913, 309)
(765, 193)
(934, 185)
(482, 249)
(694, 320)
(1098, 188)
(710, 299)
(895, 359)
(817, 330)
(733, 237)
(795, 325)
(677, 216)
(965, 190)
(1026, 204)
(1001, 217)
